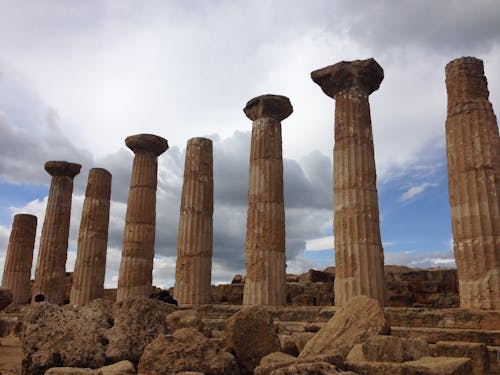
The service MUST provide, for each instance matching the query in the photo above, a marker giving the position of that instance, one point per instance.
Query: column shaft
(359, 256)
(473, 151)
(90, 266)
(51, 263)
(136, 268)
(19, 259)
(193, 272)
(265, 239)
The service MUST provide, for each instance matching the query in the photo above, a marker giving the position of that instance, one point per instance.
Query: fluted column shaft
(193, 271)
(358, 247)
(136, 268)
(473, 151)
(19, 259)
(359, 256)
(265, 250)
(51, 264)
(90, 266)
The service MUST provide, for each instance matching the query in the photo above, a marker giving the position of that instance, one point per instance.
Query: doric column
(473, 150)
(193, 271)
(17, 269)
(265, 239)
(359, 256)
(90, 266)
(51, 264)
(136, 268)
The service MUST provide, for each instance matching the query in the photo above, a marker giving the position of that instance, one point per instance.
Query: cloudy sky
(76, 78)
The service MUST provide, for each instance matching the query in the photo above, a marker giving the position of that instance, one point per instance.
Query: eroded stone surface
(193, 271)
(355, 323)
(359, 256)
(473, 151)
(137, 321)
(55, 336)
(251, 335)
(185, 350)
(51, 264)
(136, 267)
(90, 266)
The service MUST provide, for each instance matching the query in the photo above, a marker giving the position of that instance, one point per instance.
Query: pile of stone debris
(148, 336)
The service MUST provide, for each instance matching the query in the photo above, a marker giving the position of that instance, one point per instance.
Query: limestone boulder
(184, 319)
(137, 322)
(361, 318)
(477, 352)
(251, 335)
(301, 339)
(5, 298)
(119, 368)
(184, 350)
(438, 366)
(389, 349)
(55, 336)
(316, 368)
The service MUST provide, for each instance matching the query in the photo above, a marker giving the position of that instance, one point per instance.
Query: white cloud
(415, 191)
(318, 244)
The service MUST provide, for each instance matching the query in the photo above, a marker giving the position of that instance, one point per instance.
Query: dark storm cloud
(441, 26)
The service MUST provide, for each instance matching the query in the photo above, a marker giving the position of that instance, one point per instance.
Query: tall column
(359, 255)
(17, 269)
(51, 264)
(265, 282)
(90, 266)
(193, 271)
(136, 268)
(473, 151)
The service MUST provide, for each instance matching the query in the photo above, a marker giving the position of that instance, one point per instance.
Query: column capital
(277, 107)
(62, 168)
(148, 143)
(363, 75)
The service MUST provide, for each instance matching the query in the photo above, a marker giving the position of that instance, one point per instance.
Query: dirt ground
(10, 355)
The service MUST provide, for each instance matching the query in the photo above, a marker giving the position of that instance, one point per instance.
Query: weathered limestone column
(193, 271)
(51, 263)
(473, 150)
(17, 269)
(90, 266)
(359, 255)
(136, 268)
(265, 282)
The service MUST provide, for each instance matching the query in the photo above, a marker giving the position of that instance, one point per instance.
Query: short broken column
(136, 267)
(19, 259)
(90, 266)
(193, 271)
(473, 151)
(265, 252)
(51, 263)
(359, 256)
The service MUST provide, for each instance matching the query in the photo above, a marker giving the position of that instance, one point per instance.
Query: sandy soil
(10, 355)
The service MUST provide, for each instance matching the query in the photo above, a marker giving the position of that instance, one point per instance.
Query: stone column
(193, 271)
(136, 268)
(265, 282)
(17, 269)
(359, 255)
(90, 266)
(473, 151)
(51, 264)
